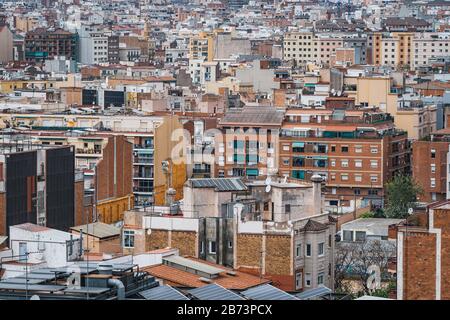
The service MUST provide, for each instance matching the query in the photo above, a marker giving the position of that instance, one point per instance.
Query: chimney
(317, 193)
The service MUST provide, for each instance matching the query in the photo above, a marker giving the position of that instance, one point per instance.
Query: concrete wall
(6, 48)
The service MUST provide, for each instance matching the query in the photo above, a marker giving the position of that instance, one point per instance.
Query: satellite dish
(333, 91)
(268, 187)
(35, 297)
(339, 93)
(268, 180)
(410, 211)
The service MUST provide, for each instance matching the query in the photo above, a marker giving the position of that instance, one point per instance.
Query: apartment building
(280, 234)
(247, 146)
(42, 44)
(152, 145)
(94, 45)
(37, 185)
(319, 48)
(429, 165)
(105, 164)
(201, 47)
(427, 46)
(422, 259)
(326, 46)
(392, 49)
(354, 151)
(300, 47)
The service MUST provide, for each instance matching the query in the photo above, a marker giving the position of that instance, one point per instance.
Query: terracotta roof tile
(312, 225)
(240, 281)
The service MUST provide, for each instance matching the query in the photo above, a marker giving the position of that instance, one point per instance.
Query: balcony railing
(143, 160)
(88, 151)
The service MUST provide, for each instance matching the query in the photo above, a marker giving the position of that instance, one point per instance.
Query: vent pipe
(119, 286)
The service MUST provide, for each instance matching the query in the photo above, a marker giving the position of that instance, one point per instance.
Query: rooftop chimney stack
(317, 193)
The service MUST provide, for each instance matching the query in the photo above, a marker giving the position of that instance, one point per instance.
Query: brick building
(42, 44)
(281, 234)
(248, 143)
(113, 180)
(429, 165)
(423, 262)
(356, 153)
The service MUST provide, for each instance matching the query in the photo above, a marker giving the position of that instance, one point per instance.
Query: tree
(401, 194)
(358, 261)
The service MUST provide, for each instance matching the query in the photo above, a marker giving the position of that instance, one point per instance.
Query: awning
(252, 172)
(320, 158)
(298, 144)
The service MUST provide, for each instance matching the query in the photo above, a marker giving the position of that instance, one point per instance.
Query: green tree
(401, 194)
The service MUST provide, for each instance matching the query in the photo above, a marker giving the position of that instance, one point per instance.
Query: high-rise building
(42, 44)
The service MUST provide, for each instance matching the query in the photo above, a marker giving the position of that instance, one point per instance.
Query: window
(329, 240)
(308, 279)
(320, 248)
(348, 235)
(432, 182)
(344, 163)
(360, 235)
(202, 247)
(374, 150)
(212, 247)
(373, 178)
(333, 163)
(433, 168)
(128, 239)
(298, 250)
(344, 177)
(333, 148)
(308, 250)
(298, 280)
(230, 244)
(320, 278)
(358, 178)
(374, 163)
(358, 163)
(287, 208)
(344, 149)
(433, 153)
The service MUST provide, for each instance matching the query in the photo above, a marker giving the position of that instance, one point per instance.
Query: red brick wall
(421, 168)
(124, 173)
(80, 218)
(3, 214)
(419, 266)
(442, 221)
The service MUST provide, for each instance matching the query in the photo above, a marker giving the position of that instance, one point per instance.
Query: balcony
(143, 160)
(89, 151)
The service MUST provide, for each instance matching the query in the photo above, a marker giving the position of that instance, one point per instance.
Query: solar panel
(191, 264)
(214, 292)
(20, 280)
(313, 293)
(162, 293)
(221, 184)
(90, 290)
(30, 287)
(267, 292)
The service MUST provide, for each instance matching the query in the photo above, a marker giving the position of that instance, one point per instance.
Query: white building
(429, 45)
(37, 246)
(93, 45)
